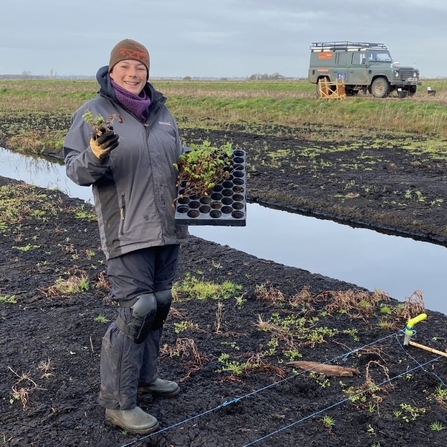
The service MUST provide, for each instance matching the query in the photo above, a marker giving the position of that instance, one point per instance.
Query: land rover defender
(363, 66)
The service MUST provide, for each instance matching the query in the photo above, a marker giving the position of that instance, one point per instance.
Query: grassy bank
(34, 114)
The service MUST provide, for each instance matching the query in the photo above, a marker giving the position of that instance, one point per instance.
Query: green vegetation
(181, 326)
(35, 114)
(437, 426)
(73, 285)
(202, 167)
(409, 412)
(192, 287)
(328, 422)
(9, 299)
(289, 325)
(101, 319)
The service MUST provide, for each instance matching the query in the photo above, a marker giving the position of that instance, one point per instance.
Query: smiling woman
(130, 167)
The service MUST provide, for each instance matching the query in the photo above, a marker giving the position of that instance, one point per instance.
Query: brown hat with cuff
(129, 49)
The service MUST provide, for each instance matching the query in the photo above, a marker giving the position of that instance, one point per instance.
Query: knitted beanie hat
(129, 49)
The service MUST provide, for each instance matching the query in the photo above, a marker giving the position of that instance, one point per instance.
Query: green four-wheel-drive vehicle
(361, 66)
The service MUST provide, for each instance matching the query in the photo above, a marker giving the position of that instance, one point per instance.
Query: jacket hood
(106, 89)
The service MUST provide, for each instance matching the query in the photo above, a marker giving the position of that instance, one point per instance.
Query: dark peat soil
(232, 356)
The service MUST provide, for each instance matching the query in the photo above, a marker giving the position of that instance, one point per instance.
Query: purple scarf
(138, 105)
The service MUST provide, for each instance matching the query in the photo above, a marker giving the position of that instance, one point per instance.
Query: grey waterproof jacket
(134, 188)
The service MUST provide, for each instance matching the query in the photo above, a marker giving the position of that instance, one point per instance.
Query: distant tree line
(259, 76)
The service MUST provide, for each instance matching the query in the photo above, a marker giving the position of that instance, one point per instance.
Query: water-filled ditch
(396, 265)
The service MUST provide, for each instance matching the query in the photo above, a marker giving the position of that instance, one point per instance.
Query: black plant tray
(224, 206)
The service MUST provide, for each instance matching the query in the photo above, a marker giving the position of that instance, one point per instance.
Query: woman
(129, 161)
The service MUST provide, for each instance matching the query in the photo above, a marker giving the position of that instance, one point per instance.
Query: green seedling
(409, 413)
(9, 299)
(437, 426)
(328, 422)
(26, 247)
(185, 325)
(101, 319)
(202, 168)
(193, 288)
(98, 122)
(71, 286)
(320, 379)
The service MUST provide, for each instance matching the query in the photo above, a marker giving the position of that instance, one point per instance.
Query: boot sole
(136, 431)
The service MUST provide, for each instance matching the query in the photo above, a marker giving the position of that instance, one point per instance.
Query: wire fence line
(293, 376)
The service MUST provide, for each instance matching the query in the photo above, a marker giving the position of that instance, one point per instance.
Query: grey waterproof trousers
(125, 364)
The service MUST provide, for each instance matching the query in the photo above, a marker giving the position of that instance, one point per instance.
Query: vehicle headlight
(396, 74)
(415, 74)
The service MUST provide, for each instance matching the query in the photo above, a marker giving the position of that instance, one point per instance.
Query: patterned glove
(103, 141)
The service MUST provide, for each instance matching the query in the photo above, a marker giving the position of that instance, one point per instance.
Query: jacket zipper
(122, 214)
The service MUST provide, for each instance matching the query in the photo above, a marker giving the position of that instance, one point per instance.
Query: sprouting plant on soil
(409, 413)
(385, 309)
(184, 325)
(90, 254)
(328, 422)
(81, 212)
(437, 426)
(231, 344)
(292, 354)
(240, 301)
(372, 408)
(193, 288)
(234, 367)
(26, 247)
(272, 344)
(202, 167)
(386, 325)
(9, 299)
(320, 379)
(101, 319)
(367, 395)
(76, 283)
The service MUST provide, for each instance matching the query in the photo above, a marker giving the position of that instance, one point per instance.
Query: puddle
(396, 265)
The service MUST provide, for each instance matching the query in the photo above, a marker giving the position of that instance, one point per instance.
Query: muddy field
(234, 357)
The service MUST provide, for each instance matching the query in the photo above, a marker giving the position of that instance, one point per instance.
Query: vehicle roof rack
(345, 45)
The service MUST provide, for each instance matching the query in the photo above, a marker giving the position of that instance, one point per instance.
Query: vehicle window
(341, 59)
(358, 58)
(380, 56)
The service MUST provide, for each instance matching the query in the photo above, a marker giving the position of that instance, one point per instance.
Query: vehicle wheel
(412, 90)
(380, 88)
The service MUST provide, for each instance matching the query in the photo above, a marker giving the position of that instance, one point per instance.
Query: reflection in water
(396, 265)
(40, 172)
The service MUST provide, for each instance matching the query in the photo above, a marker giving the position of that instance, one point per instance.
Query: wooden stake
(323, 368)
(427, 348)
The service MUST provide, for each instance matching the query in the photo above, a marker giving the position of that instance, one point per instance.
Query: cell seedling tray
(225, 205)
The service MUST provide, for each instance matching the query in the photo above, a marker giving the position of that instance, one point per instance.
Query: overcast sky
(210, 38)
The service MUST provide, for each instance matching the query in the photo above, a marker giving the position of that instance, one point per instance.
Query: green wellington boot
(160, 387)
(134, 421)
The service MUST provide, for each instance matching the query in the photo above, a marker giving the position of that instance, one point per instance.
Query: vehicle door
(357, 69)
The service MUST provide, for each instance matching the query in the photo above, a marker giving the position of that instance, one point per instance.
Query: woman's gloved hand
(103, 141)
